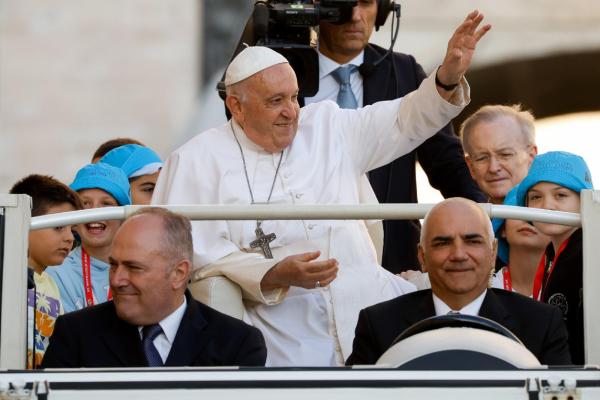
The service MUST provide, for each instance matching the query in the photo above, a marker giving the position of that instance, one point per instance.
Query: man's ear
(181, 273)
(234, 106)
(469, 165)
(495, 250)
(421, 256)
(532, 152)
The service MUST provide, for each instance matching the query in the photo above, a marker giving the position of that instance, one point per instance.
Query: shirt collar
(171, 323)
(472, 308)
(244, 140)
(327, 65)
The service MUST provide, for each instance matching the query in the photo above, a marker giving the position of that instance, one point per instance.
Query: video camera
(287, 27)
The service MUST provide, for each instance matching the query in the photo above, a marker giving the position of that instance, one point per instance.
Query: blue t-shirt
(69, 279)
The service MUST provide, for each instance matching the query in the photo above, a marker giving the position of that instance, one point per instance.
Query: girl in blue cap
(554, 182)
(82, 278)
(141, 165)
(520, 246)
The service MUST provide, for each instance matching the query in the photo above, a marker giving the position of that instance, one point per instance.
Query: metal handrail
(305, 212)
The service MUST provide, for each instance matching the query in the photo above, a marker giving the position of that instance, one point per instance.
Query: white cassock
(332, 149)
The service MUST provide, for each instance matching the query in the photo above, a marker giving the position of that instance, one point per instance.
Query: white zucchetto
(251, 60)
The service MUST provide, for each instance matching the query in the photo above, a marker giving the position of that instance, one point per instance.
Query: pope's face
(267, 108)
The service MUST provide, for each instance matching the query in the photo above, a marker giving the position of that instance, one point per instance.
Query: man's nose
(290, 110)
(117, 276)
(356, 13)
(458, 252)
(494, 165)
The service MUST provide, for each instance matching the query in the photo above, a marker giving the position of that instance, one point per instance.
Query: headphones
(384, 8)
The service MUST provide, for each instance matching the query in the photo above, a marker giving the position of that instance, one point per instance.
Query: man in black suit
(441, 156)
(152, 319)
(458, 250)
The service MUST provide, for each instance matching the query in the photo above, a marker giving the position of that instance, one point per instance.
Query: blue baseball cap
(498, 223)
(106, 177)
(558, 167)
(134, 160)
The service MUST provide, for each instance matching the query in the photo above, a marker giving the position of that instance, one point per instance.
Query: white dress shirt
(332, 149)
(329, 86)
(169, 325)
(472, 308)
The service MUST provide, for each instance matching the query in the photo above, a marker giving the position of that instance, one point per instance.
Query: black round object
(456, 321)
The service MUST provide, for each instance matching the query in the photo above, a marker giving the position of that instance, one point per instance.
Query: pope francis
(304, 282)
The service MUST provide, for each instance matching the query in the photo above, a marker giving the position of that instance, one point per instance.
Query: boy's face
(50, 246)
(551, 196)
(100, 233)
(142, 188)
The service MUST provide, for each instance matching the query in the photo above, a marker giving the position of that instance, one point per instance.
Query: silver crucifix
(263, 241)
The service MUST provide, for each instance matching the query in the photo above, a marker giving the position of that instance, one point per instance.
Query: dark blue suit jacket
(95, 337)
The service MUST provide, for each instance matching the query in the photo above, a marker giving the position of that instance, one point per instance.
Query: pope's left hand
(461, 48)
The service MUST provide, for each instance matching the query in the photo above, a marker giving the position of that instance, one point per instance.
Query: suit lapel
(123, 341)
(191, 336)
(493, 309)
(373, 83)
(424, 308)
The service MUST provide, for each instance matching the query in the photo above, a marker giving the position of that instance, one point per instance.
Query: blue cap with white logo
(105, 177)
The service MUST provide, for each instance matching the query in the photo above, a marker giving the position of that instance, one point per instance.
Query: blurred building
(76, 73)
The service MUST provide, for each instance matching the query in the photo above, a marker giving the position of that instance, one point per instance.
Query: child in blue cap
(141, 165)
(554, 182)
(520, 246)
(82, 278)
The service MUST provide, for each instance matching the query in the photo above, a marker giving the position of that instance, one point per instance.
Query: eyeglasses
(503, 157)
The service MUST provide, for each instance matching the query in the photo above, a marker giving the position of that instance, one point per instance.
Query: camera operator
(374, 76)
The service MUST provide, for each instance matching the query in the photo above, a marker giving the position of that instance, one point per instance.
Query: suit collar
(424, 308)
(191, 336)
(373, 83)
(493, 309)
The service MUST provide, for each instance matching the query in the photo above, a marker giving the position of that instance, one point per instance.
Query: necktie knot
(342, 74)
(150, 332)
(345, 98)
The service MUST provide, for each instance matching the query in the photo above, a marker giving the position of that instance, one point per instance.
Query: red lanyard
(87, 279)
(506, 278)
(540, 284)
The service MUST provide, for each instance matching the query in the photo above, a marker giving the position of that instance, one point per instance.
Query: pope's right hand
(301, 270)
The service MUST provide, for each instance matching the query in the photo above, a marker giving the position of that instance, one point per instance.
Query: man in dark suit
(458, 251)
(441, 156)
(152, 319)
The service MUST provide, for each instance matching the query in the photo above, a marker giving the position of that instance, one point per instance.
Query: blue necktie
(345, 98)
(149, 333)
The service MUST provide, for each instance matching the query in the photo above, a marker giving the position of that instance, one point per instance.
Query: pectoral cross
(263, 241)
